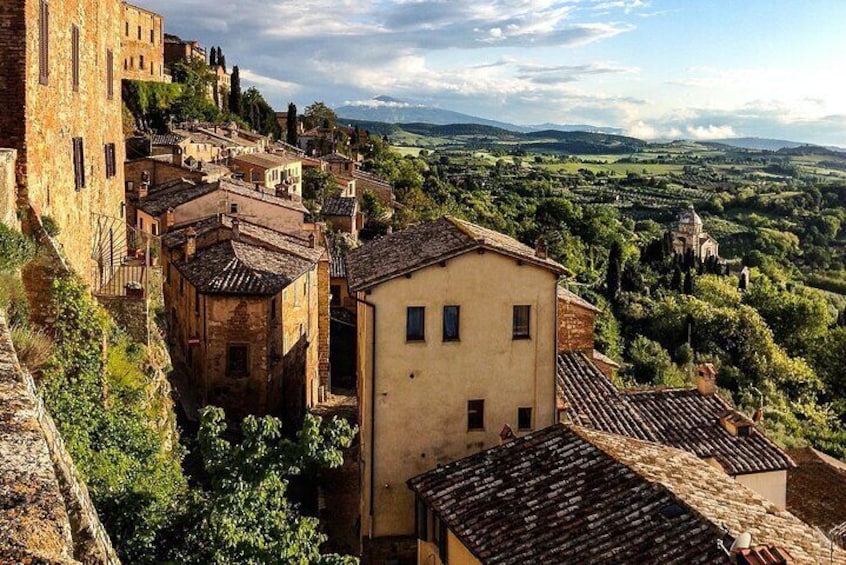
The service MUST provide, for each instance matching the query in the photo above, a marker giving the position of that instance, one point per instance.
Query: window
(111, 163)
(524, 418)
(233, 207)
(139, 33)
(75, 57)
(254, 176)
(43, 42)
(475, 414)
(415, 323)
(141, 62)
(110, 73)
(127, 29)
(78, 163)
(236, 361)
(273, 308)
(451, 317)
(335, 291)
(155, 228)
(520, 327)
(152, 37)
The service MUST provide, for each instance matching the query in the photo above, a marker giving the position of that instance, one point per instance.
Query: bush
(15, 249)
(13, 299)
(34, 347)
(50, 226)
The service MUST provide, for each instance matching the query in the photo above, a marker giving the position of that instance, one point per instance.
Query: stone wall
(323, 306)
(8, 189)
(47, 514)
(38, 275)
(130, 313)
(142, 44)
(575, 327)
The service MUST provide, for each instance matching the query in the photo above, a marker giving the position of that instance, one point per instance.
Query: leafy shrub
(15, 249)
(13, 299)
(50, 226)
(34, 347)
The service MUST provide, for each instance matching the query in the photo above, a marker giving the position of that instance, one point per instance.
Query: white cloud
(272, 84)
(703, 133)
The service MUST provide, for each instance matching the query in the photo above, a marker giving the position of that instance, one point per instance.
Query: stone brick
(575, 327)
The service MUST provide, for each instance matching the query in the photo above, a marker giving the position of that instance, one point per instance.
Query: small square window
(524, 418)
(233, 208)
(415, 329)
(520, 327)
(451, 323)
(475, 414)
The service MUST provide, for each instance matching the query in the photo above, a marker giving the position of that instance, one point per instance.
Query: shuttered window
(111, 161)
(78, 164)
(43, 42)
(75, 57)
(110, 74)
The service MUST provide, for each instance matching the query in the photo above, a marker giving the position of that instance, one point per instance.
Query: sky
(658, 69)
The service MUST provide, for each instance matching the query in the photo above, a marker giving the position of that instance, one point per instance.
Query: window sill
(471, 430)
(521, 337)
(412, 341)
(452, 340)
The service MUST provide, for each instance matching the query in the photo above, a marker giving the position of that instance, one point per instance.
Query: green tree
(291, 125)
(650, 363)
(243, 514)
(236, 100)
(194, 103)
(318, 114)
(259, 114)
(613, 277)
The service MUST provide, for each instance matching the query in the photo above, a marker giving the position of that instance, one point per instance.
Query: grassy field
(619, 169)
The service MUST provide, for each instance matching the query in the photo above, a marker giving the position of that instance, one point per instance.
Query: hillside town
(485, 423)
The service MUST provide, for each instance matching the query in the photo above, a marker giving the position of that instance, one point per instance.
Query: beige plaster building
(142, 44)
(280, 173)
(185, 201)
(61, 99)
(456, 338)
(242, 310)
(689, 237)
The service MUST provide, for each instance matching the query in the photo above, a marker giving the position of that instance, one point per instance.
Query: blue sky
(700, 69)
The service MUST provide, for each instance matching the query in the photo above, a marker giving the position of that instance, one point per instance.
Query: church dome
(690, 217)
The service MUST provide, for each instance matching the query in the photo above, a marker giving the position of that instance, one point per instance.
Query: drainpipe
(372, 412)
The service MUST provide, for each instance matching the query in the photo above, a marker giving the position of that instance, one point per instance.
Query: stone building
(242, 311)
(689, 237)
(221, 87)
(142, 45)
(61, 101)
(576, 325)
(457, 338)
(177, 50)
(184, 201)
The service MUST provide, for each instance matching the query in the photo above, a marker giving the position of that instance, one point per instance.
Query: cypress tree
(688, 282)
(676, 283)
(236, 98)
(213, 57)
(615, 268)
(291, 125)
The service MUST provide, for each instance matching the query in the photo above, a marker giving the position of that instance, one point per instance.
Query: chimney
(540, 248)
(236, 229)
(311, 240)
(506, 434)
(177, 156)
(143, 189)
(190, 243)
(706, 379)
(169, 219)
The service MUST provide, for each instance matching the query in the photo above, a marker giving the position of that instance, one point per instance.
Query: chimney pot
(706, 379)
(236, 229)
(169, 219)
(540, 248)
(190, 243)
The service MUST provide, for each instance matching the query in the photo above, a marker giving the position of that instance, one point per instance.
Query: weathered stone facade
(575, 323)
(49, 102)
(142, 44)
(47, 515)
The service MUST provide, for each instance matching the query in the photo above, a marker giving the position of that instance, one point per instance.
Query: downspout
(372, 412)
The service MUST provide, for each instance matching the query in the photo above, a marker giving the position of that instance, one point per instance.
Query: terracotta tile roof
(181, 192)
(572, 495)
(717, 497)
(367, 180)
(238, 267)
(346, 206)
(428, 243)
(573, 298)
(199, 136)
(266, 160)
(588, 398)
(167, 139)
(336, 158)
(816, 489)
(688, 420)
(249, 232)
(681, 418)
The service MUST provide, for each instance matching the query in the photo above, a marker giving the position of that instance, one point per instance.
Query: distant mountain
(395, 111)
(759, 143)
